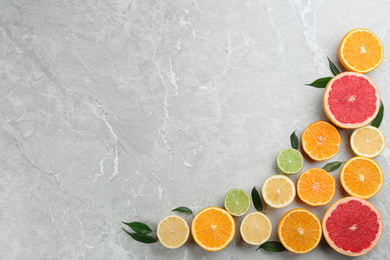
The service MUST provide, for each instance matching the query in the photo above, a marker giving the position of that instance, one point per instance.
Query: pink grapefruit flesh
(352, 226)
(351, 100)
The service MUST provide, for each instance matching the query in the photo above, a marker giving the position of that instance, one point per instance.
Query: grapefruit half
(352, 226)
(351, 100)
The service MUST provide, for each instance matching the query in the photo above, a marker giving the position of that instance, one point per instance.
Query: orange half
(299, 231)
(321, 141)
(316, 187)
(361, 177)
(361, 51)
(213, 228)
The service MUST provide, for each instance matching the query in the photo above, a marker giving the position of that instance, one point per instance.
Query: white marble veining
(122, 110)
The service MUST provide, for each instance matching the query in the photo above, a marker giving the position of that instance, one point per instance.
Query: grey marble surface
(122, 110)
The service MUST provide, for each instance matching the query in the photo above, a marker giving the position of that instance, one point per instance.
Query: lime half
(237, 202)
(290, 161)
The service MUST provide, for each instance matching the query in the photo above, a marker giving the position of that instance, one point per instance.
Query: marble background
(123, 110)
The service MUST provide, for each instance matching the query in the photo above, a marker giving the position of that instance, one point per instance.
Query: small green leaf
(320, 83)
(330, 167)
(139, 227)
(333, 68)
(294, 141)
(256, 199)
(378, 119)
(183, 210)
(272, 246)
(140, 237)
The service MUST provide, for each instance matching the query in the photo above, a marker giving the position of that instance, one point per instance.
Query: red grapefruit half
(352, 226)
(351, 100)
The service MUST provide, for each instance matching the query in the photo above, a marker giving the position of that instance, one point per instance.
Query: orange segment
(321, 141)
(213, 228)
(299, 231)
(361, 177)
(316, 187)
(361, 51)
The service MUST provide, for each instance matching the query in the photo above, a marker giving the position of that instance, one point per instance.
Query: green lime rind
(237, 202)
(290, 161)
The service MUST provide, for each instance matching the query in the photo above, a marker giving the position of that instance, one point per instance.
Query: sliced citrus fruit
(316, 187)
(173, 231)
(290, 161)
(299, 231)
(351, 100)
(237, 202)
(352, 226)
(368, 141)
(213, 228)
(321, 141)
(255, 228)
(361, 51)
(278, 191)
(361, 177)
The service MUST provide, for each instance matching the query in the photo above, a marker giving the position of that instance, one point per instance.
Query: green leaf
(330, 167)
(139, 227)
(294, 141)
(140, 237)
(272, 246)
(183, 210)
(378, 119)
(256, 199)
(333, 68)
(320, 83)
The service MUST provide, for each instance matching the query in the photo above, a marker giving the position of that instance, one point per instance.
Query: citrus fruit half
(278, 191)
(299, 231)
(213, 228)
(361, 51)
(173, 231)
(351, 100)
(290, 161)
(255, 228)
(368, 141)
(316, 187)
(361, 177)
(352, 226)
(237, 202)
(321, 141)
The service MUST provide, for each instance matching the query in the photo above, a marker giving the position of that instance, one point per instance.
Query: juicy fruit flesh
(300, 231)
(256, 228)
(279, 191)
(352, 99)
(173, 232)
(321, 141)
(237, 202)
(353, 227)
(361, 177)
(212, 229)
(361, 51)
(316, 187)
(367, 141)
(290, 161)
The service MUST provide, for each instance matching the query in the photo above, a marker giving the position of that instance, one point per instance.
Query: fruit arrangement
(351, 225)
